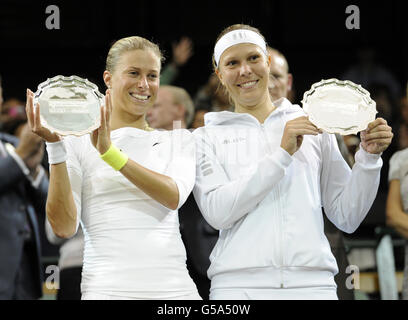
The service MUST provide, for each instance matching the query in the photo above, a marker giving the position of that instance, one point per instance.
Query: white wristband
(56, 152)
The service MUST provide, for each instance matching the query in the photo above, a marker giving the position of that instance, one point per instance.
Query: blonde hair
(181, 96)
(129, 44)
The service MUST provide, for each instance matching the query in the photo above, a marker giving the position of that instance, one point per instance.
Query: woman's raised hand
(34, 122)
(293, 133)
(377, 137)
(101, 137)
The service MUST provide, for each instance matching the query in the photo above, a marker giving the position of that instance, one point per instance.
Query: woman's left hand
(101, 137)
(377, 137)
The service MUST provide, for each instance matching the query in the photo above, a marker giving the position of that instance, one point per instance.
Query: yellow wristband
(115, 157)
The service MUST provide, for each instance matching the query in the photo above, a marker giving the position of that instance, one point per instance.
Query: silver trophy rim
(371, 104)
(59, 79)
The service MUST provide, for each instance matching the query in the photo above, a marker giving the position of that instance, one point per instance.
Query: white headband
(235, 37)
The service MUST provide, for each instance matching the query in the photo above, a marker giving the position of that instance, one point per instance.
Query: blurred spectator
(23, 193)
(281, 86)
(172, 104)
(397, 204)
(13, 116)
(368, 71)
(213, 97)
(182, 52)
(281, 81)
(175, 104)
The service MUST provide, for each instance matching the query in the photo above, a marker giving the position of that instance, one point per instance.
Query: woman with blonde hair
(124, 185)
(264, 172)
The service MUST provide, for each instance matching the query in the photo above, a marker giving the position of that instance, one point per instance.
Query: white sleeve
(223, 202)
(74, 173)
(51, 236)
(182, 166)
(347, 195)
(394, 169)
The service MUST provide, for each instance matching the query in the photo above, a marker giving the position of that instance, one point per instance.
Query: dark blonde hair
(129, 44)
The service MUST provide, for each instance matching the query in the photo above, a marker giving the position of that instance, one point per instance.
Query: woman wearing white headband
(263, 174)
(126, 200)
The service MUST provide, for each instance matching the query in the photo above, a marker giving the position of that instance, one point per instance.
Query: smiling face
(134, 82)
(244, 71)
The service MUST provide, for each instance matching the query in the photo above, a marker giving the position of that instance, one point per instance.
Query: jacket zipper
(279, 225)
(281, 236)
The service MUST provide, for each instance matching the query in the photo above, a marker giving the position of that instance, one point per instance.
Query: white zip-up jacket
(268, 204)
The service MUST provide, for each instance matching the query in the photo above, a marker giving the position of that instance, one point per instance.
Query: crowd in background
(176, 108)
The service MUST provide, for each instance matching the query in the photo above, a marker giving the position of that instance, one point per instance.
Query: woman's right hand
(33, 116)
(293, 133)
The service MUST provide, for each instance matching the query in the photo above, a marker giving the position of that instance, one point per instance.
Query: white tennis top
(399, 171)
(133, 245)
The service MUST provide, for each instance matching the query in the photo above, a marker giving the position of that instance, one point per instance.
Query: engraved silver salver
(69, 105)
(337, 106)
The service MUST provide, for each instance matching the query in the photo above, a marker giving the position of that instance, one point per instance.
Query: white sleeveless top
(133, 245)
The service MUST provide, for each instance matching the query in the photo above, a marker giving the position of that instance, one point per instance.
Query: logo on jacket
(235, 140)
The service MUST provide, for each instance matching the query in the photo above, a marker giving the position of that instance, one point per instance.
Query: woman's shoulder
(210, 134)
(214, 129)
(399, 156)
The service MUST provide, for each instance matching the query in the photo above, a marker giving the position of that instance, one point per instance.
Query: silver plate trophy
(69, 105)
(337, 106)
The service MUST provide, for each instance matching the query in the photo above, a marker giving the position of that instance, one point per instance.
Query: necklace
(147, 128)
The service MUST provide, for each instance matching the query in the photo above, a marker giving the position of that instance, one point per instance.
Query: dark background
(312, 34)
